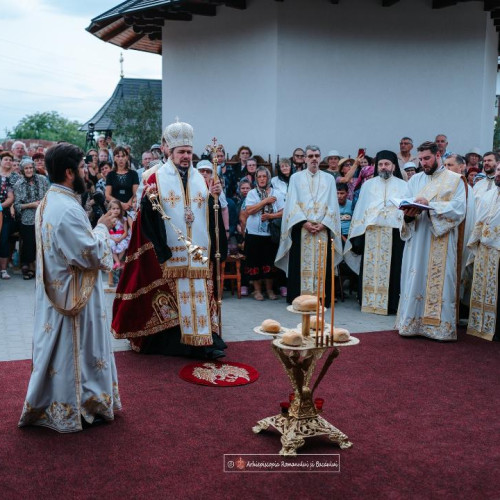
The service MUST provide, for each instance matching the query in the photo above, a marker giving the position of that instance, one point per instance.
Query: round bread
(341, 335)
(306, 303)
(270, 326)
(315, 323)
(292, 338)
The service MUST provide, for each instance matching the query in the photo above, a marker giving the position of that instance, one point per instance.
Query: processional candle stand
(302, 417)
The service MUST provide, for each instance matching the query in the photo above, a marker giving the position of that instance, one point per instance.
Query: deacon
(165, 300)
(311, 214)
(430, 261)
(374, 249)
(485, 253)
(73, 379)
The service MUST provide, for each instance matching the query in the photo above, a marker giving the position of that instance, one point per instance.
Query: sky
(50, 63)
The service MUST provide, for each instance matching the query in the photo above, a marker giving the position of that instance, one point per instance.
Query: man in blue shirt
(345, 209)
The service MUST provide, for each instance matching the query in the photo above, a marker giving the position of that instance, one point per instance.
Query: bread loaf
(292, 338)
(306, 303)
(270, 326)
(341, 335)
(315, 323)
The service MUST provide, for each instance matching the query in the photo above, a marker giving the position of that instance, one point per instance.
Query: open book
(409, 203)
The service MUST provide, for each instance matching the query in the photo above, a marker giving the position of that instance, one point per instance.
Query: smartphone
(89, 159)
(361, 152)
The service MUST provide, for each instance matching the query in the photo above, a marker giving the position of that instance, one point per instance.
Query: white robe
(484, 245)
(483, 186)
(312, 198)
(428, 289)
(375, 208)
(73, 373)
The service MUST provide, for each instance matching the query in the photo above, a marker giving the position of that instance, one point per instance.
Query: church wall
(283, 74)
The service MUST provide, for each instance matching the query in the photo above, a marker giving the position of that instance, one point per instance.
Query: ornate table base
(295, 430)
(302, 420)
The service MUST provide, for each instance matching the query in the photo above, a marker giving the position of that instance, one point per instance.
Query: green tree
(138, 122)
(50, 126)
(496, 135)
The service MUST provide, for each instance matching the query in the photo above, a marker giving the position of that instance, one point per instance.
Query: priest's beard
(384, 174)
(79, 186)
(433, 169)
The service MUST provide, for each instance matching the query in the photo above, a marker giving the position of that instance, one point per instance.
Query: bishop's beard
(385, 174)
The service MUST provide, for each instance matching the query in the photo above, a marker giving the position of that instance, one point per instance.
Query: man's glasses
(313, 156)
(299, 156)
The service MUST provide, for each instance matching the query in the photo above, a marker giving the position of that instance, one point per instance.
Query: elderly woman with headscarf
(28, 192)
(374, 249)
(263, 205)
(280, 181)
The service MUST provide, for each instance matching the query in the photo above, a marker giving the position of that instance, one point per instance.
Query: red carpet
(219, 374)
(423, 417)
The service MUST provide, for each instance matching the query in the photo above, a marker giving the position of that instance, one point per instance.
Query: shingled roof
(137, 24)
(127, 88)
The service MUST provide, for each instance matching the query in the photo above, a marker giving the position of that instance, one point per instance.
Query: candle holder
(303, 419)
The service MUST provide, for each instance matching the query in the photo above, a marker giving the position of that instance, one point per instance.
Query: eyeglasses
(299, 156)
(313, 155)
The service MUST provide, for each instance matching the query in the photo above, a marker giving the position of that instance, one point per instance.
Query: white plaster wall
(283, 74)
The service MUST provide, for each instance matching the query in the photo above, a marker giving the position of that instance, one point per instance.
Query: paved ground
(239, 317)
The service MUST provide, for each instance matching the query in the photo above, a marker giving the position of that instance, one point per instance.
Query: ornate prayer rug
(219, 374)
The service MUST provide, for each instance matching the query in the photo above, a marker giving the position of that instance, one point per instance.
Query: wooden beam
(491, 4)
(236, 4)
(132, 40)
(441, 4)
(114, 32)
(145, 29)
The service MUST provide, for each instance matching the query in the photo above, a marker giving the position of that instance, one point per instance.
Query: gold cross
(199, 199)
(172, 198)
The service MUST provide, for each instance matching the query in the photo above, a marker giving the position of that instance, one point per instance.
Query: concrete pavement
(239, 317)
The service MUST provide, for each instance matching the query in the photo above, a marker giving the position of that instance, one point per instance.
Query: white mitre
(178, 134)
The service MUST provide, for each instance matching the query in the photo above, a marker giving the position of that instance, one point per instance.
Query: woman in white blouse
(263, 204)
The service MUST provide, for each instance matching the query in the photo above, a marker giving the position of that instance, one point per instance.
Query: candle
(318, 264)
(324, 255)
(332, 320)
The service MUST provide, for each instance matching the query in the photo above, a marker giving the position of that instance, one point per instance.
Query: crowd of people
(252, 202)
(419, 236)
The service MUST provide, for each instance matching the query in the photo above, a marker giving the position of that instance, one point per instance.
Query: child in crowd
(119, 233)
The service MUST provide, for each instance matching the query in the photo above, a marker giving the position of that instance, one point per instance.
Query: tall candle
(324, 255)
(332, 321)
(318, 265)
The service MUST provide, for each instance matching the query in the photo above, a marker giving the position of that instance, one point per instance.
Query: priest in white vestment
(311, 214)
(428, 300)
(456, 163)
(485, 253)
(490, 161)
(374, 249)
(73, 377)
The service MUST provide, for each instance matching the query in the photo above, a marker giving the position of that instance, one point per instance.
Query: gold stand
(303, 419)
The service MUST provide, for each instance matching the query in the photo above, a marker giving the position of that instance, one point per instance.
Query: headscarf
(388, 155)
(262, 192)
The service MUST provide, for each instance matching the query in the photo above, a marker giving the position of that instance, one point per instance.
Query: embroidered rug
(219, 374)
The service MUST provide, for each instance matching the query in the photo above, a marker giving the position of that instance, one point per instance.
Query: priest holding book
(431, 260)
(374, 249)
